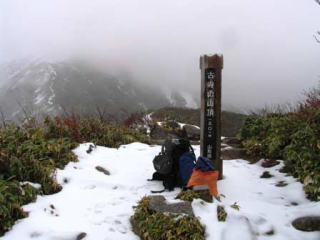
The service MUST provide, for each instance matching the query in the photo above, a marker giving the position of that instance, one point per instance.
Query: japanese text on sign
(210, 76)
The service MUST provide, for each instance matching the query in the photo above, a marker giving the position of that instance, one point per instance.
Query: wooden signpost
(210, 136)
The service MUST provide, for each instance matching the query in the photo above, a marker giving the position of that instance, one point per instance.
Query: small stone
(307, 224)
(294, 204)
(281, 184)
(268, 163)
(266, 174)
(103, 170)
(52, 206)
(65, 180)
(270, 232)
(81, 236)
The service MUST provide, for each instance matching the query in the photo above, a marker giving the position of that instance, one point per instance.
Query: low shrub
(109, 135)
(158, 226)
(28, 155)
(12, 197)
(188, 195)
(32, 152)
(293, 137)
(93, 130)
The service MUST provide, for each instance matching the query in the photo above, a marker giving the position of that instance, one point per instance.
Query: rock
(281, 184)
(204, 192)
(233, 153)
(266, 174)
(268, 163)
(157, 132)
(103, 170)
(232, 141)
(191, 132)
(285, 169)
(307, 224)
(171, 124)
(158, 204)
(81, 236)
(270, 232)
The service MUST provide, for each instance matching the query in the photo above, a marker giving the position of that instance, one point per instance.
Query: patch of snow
(39, 98)
(182, 124)
(35, 185)
(53, 95)
(101, 205)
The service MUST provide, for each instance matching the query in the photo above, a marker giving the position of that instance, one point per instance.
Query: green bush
(12, 197)
(159, 226)
(109, 135)
(293, 137)
(28, 155)
(188, 195)
(32, 152)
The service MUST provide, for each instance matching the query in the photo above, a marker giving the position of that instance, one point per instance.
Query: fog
(269, 50)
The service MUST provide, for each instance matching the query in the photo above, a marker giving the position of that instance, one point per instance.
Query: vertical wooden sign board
(210, 137)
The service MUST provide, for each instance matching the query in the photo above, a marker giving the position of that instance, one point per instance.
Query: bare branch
(101, 113)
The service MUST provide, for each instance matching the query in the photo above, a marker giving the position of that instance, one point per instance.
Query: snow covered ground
(101, 205)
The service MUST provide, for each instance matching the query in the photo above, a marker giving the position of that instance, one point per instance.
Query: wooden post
(210, 137)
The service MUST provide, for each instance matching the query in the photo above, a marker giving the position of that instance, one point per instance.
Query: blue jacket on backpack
(204, 164)
(186, 164)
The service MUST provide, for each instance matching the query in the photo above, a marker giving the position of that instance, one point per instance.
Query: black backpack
(163, 162)
(166, 163)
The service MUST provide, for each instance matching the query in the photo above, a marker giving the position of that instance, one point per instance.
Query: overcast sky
(268, 45)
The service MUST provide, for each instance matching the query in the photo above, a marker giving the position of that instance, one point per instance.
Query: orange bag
(205, 178)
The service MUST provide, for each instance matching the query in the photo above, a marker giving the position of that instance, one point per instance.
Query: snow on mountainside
(42, 87)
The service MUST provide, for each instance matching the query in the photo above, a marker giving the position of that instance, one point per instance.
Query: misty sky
(268, 45)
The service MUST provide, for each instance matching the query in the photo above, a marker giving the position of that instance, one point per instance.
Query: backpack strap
(191, 148)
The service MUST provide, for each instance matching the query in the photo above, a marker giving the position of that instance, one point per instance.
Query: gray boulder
(157, 132)
(191, 132)
(307, 224)
(158, 204)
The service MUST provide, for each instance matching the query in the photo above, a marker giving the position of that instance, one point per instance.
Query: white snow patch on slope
(101, 205)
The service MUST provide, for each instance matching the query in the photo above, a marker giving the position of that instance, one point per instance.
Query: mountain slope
(39, 87)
